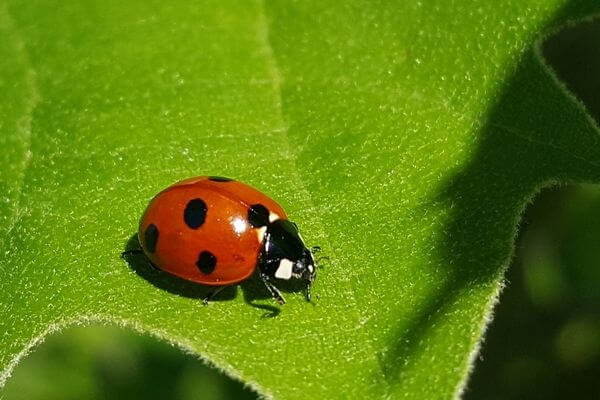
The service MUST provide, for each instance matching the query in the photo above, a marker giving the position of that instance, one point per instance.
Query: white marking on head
(273, 217)
(261, 233)
(239, 225)
(311, 268)
(285, 269)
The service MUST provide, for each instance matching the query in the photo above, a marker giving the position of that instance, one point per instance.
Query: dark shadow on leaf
(487, 196)
(253, 290)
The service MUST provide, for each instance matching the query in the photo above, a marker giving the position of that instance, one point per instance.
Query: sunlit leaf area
(444, 156)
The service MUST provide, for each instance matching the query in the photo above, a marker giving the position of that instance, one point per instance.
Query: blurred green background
(544, 341)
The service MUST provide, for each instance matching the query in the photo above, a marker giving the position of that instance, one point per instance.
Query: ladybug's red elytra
(217, 231)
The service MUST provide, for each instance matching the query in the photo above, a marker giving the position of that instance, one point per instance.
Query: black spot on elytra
(219, 179)
(195, 213)
(206, 262)
(258, 215)
(151, 237)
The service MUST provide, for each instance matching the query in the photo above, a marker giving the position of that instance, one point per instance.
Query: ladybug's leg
(131, 251)
(154, 267)
(272, 289)
(212, 295)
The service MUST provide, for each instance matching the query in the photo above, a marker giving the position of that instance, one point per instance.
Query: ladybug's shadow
(253, 289)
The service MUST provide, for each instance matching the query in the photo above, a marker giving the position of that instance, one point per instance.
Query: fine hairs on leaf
(405, 138)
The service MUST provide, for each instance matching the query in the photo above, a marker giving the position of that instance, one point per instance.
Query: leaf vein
(24, 126)
(530, 140)
(263, 26)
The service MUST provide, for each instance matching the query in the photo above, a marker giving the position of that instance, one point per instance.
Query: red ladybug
(217, 231)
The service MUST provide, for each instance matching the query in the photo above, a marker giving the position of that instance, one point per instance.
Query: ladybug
(217, 231)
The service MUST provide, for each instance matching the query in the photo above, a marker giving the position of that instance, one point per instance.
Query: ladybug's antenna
(317, 249)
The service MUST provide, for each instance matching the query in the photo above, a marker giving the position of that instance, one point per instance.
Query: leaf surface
(404, 138)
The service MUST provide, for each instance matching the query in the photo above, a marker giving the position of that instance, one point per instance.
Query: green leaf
(404, 138)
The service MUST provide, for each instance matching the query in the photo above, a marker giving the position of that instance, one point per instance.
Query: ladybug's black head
(305, 269)
(285, 256)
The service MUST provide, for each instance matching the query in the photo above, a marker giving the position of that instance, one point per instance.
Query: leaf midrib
(277, 80)
(25, 122)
